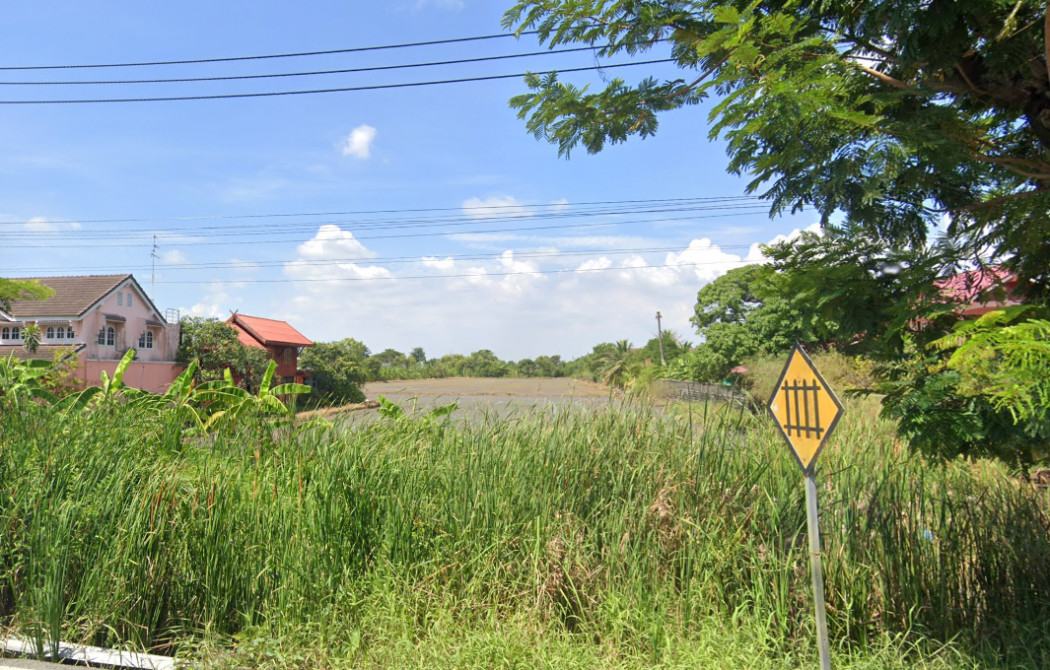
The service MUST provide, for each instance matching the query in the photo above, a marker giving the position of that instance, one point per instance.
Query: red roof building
(278, 338)
(981, 291)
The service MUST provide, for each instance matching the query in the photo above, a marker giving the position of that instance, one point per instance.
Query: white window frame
(146, 340)
(107, 337)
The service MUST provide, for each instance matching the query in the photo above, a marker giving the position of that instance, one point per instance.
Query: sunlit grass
(616, 538)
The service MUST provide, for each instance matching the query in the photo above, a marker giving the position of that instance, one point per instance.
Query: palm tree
(616, 364)
(31, 337)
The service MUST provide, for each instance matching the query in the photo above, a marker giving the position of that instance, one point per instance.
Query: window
(107, 337)
(69, 332)
(50, 333)
(120, 299)
(146, 340)
(5, 334)
(60, 333)
(16, 334)
(129, 298)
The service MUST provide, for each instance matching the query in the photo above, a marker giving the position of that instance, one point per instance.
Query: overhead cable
(345, 89)
(230, 59)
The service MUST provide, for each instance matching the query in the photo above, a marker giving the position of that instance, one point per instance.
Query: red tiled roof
(977, 288)
(254, 331)
(970, 285)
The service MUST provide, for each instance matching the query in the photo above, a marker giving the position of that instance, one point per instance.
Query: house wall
(154, 377)
(127, 334)
(287, 359)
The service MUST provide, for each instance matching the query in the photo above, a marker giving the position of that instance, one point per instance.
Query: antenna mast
(153, 269)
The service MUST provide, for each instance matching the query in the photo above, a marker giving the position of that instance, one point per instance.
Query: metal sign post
(817, 569)
(806, 411)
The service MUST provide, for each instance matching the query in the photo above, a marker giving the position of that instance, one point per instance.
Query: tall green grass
(625, 529)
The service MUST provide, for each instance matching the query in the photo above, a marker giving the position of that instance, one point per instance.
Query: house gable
(76, 296)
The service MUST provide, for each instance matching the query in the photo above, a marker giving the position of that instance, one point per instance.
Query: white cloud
(507, 302)
(333, 243)
(444, 264)
(558, 205)
(359, 142)
(173, 257)
(328, 258)
(755, 255)
(594, 264)
(214, 304)
(495, 207)
(39, 224)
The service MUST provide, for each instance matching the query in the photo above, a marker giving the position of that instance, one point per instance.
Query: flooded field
(493, 397)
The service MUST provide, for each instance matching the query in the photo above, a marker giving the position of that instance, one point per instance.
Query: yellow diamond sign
(804, 408)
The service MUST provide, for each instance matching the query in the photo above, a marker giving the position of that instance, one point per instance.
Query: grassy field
(618, 538)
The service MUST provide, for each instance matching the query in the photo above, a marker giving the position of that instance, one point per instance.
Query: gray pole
(818, 572)
(660, 339)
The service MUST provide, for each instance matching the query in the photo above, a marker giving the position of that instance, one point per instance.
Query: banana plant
(106, 391)
(236, 401)
(21, 379)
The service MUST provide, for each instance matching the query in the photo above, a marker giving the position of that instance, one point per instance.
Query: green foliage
(622, 538)
(23, 380)
(337, 369)
(891, 113)
(215, 345)
(418, 355)
(617, 364)
(1006, 359)
(22, 289)
(31, 337)
(228, 403)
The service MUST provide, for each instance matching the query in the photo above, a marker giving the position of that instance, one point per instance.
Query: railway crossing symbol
(804, 408)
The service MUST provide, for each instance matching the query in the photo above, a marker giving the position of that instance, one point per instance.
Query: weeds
(631, 530)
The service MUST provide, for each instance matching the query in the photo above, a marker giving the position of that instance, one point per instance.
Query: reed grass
(623, 538)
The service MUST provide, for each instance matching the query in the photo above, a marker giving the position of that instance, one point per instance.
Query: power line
(372, 68)
(417, 234)
(361, 212)
(477, 275)
(345, 89)
(231, 59)
(386, 260)
(385, 224)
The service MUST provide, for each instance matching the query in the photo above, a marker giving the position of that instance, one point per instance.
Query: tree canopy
(21, 289)
(893, 113)
(215, 346)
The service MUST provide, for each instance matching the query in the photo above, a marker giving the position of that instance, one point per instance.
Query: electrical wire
(372, 68)
(476, 275)
(230, 59)
(345, 89)
(289, 229)
(361, 212)
(443, 233)
(385, 260)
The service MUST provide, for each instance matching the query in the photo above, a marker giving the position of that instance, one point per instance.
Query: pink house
(97, 318)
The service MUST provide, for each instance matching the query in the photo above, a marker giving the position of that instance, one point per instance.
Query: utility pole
(660, 339)
(153, 270)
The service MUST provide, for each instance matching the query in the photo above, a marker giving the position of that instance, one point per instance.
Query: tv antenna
(153, 269)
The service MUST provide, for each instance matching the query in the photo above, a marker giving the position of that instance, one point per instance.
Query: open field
(494, 397)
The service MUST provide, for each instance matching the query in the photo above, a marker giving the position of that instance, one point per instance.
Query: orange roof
(255, 331)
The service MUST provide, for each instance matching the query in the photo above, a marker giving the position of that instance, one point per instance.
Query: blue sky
(85, 187)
